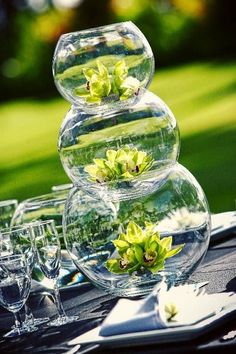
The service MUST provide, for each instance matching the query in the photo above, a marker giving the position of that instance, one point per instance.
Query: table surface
(92, 305)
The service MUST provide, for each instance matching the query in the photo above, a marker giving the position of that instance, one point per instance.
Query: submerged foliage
(140, 249)
(101, 84)
(124, 163)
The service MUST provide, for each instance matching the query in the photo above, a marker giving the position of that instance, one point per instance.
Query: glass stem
(18, 321)
(58, 302)
(29, 315)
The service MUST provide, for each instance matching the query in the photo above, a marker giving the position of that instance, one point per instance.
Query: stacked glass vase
(135, 216)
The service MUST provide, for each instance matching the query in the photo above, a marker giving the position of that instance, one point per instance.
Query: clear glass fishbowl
(104, 68)
(44, 207)
(127, 243)
(125, 145)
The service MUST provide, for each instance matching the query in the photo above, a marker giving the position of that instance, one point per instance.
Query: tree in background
(178, 31)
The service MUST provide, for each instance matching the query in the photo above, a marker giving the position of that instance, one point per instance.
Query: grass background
(203, 99)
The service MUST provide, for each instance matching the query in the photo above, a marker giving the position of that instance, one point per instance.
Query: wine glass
(7, 209)
(18, 240)
(48, 252)
(15, 282)
(47, 207)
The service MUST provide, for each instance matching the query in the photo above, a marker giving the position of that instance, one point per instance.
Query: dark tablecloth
(92, 305)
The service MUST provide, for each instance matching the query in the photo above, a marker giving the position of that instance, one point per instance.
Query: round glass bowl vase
(132, 142)
(127, 244)
(103, 68)
(44, 207)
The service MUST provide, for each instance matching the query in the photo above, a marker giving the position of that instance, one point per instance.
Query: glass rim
(41, 222)
(94, 29)
(14, 228)
(45, 199)
(8, 202)
(12, 257)
(61, 187)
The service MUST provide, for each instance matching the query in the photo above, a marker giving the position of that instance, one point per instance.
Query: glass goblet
(18, 240)
(15, 282)
(48, 252)
(47, 207)
(7, 209)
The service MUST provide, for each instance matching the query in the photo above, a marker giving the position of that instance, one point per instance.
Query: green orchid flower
(141, 249)
(100, 84)
(121, 164)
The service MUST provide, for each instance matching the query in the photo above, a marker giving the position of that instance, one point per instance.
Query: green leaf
(108, 166)
(126, 94)
(161, 252)
(126, 175)
(81, 91)
(120, 73)
(121, 155)
(93, 99)
(120, 244)
(174, 251)
(152, 237)
(111, 155)
(103, 72)
(140, 157)
(114, 87)
(157, 266)
(122, 236)
(138, 253)
(96, 86)
(106, 87)
(134, 233)
(88, 73)
(100, 162)
(149, 228)
(154, 246)
(135, 157)
(166, 242)
(113, 265)
(130, 256)
(91, 170)
(133, 268)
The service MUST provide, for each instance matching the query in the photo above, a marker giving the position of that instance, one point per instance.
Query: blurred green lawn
(203, 99)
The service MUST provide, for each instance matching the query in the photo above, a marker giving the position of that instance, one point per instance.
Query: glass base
(41, 320)
(20, 331)
(62, 320)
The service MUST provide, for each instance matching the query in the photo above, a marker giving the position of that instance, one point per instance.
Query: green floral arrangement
(100, 84)
(141, 249)
(119, 164)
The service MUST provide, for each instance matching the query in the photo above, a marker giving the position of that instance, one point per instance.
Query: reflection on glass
(15, 282)
(7, 209)
(48, 251)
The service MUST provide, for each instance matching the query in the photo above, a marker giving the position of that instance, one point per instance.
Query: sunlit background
(194, 43)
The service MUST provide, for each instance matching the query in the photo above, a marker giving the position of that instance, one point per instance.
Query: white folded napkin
(179, 306)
